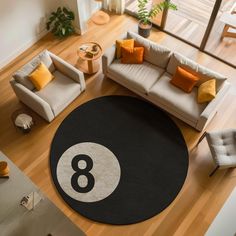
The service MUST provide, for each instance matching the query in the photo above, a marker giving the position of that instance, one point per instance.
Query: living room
(109, 110)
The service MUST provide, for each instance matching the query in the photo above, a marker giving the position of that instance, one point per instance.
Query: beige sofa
(68, 83)
(151, 81)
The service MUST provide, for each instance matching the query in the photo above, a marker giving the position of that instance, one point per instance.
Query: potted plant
(61, 23)
(145, 15)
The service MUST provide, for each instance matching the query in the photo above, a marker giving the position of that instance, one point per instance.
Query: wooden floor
(200, 198)
(190, 22)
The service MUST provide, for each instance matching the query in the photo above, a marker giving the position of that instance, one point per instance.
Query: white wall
(22, 23)
(83, 10)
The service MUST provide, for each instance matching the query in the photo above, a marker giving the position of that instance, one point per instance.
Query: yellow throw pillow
(207, 91)
(41, 76)
(127, 43)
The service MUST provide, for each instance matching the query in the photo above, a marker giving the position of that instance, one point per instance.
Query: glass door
(222, 39)
(209, 25)
(190, 21)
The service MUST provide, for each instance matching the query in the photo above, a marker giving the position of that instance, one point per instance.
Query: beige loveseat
(68, 83)
(151, 81)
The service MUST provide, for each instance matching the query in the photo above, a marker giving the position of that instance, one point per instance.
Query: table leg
(90, 67)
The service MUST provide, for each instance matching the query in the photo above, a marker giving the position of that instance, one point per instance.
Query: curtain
(114, 5)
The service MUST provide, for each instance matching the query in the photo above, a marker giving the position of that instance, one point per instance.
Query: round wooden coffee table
(89, 53)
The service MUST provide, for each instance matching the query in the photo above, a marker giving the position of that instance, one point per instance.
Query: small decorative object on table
(89, 53)
(4, 170)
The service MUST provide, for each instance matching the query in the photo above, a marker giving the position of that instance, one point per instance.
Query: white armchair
(48, 102)
(222, 144)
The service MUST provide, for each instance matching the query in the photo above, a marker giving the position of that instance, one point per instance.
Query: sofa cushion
(201, 71)
(206, 74)
(60, 92)
(182, 61)
(46, 59)
(21, 76)
(139, 76)
(184, 104)
(156, 54)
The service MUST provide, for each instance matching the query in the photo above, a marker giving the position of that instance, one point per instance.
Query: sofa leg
(201, 138)
(213, 172)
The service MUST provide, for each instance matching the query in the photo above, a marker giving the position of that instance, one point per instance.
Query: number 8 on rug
(88, 172)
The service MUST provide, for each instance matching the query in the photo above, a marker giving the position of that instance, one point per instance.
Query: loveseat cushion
(21, 76)
(154, 53)
(181, 103)
(207, 74)
(201, 71)
(182, 61)
(139, 76)
(60, 92)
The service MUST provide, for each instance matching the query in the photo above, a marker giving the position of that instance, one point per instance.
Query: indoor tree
(61, 22)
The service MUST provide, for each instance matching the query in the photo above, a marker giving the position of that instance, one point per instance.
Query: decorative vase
(144, 29)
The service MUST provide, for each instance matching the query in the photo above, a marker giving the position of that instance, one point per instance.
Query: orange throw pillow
(184, 80)
(132, 56)
(129, 43)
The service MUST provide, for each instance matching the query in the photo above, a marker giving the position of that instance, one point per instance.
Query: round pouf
(100, 18)
(118, 160)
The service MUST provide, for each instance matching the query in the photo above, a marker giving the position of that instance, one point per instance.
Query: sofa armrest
(108, 58)
(212, 107)
(33, 101)
(68, 70)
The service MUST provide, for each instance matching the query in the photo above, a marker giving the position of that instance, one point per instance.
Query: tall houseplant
(61, 23)
(145, 15)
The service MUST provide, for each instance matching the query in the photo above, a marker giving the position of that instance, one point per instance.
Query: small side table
(23, 111)
(89, 53)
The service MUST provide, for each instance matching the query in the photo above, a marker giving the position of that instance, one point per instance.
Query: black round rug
(118, 160)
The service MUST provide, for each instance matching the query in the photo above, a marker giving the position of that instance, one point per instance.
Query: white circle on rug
(100, 167)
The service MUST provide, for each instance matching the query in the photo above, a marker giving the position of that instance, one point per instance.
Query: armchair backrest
(21, 76)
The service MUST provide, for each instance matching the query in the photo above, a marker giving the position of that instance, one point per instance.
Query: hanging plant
(61, 23)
